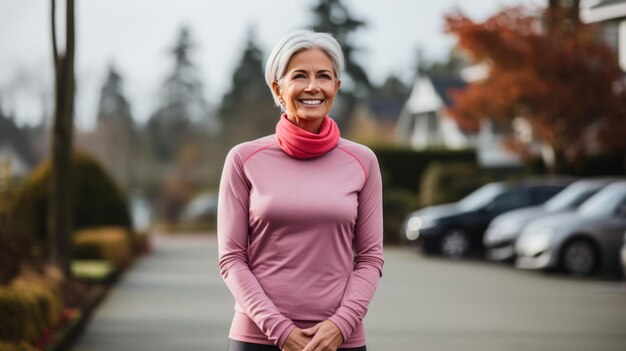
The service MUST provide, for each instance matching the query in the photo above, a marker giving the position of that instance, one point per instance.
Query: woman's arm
(232, 236)
(368, 263)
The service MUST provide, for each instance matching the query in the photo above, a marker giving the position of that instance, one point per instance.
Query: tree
(247, 110)
(332, 16)
(115, 140)
(565, 84)
(59, 217)
(113, 104)
(184, 112)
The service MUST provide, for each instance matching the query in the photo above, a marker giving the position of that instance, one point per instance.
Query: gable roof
(605, 10)
(444, 84)
(15, 138)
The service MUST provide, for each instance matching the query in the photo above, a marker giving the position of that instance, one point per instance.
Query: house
(17, 156)
(424, 122)
(611, 16)
(373, 120)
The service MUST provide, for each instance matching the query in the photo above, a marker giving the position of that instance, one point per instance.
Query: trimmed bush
(450, 182)
(112, 244)
(22, 346)
(397, 204)
(27, 307)
(97, 201)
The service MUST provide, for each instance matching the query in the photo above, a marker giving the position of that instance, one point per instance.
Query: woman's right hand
(296, 341)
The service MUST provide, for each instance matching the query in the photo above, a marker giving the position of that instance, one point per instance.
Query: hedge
(403, 168)
(97, 201)
(450, 182)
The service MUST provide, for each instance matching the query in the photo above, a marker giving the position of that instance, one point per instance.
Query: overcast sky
(136, 36)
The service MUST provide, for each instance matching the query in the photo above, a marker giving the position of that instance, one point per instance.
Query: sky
(136, 35)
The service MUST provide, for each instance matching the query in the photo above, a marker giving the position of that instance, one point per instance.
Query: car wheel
(454, 244)
(579, 258)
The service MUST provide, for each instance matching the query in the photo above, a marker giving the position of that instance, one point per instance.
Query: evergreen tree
(247, 111)
(332, 16)
(115, 141)
(113, 105)
(184, 112)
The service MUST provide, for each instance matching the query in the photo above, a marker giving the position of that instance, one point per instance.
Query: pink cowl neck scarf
(300, 143)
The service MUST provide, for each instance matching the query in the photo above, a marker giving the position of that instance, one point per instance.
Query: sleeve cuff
(343, 326)
(283, 337)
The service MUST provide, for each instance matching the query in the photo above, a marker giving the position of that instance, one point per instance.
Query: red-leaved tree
(556, 75)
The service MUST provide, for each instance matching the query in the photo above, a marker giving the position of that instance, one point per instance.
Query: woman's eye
(325, 76)
(299, 76)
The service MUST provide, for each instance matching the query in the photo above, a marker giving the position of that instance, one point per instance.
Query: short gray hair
(295, 42)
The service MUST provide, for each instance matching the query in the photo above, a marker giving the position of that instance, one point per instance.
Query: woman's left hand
(326, 337)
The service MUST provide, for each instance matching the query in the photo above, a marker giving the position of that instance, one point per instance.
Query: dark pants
(234, 345)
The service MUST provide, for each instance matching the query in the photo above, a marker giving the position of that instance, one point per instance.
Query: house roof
(15, 138)
(605, 10)
(432, 92)
(443, 85)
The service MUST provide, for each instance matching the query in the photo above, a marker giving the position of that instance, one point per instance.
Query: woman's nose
(312, 86)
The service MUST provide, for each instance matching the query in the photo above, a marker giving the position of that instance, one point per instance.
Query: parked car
(200, 211)
(579, 242)
(454, 229)
(504, 230)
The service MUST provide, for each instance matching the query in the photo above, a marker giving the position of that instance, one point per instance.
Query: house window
(433, 122)
(610, 34)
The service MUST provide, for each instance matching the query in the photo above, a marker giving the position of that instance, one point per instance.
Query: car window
(571, 197)
(510, 201)
(543, 194)
(604, 203)
(480, 198)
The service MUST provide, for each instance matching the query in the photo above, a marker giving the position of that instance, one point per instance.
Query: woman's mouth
(311, 102)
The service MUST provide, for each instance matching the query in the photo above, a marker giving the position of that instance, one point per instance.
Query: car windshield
(480, 197)
(604, 203)
(571, 197)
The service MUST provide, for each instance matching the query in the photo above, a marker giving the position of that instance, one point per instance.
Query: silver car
(500, 237)
(579, 242)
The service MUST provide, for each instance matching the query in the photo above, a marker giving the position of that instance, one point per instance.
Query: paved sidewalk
(173, 299)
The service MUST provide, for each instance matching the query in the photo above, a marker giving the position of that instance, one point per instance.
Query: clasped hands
(324, 336)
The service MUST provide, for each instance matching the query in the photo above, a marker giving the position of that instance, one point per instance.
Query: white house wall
(452, 136)
(419, 136)
(492, 151)
(423, 98)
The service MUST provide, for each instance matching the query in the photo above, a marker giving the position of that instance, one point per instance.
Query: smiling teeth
(311, 102)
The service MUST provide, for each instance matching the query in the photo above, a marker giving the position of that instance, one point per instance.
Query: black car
(454, 229)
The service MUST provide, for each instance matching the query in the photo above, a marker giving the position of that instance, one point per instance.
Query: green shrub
(450, 182)
(402, 167)
(27, 306)
(606, 164)
(21, 346)
(110, 244)
(97, 201)
(16, 315)
(397, 204)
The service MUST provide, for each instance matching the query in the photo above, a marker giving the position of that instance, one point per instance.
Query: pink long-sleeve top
(300, 240)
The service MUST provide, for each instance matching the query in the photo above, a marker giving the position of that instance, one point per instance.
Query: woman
(300, 214)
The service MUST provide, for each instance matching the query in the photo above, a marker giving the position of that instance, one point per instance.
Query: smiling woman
(300, 215)
(308, 88)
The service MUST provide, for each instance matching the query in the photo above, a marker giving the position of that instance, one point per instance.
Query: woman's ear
(338, 85)
(276, 88)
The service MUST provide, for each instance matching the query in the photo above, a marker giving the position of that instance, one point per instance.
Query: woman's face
(308, 86)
